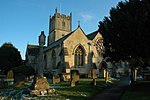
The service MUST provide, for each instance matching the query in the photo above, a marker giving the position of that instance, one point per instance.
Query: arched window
(54, 59)
(79, 56)
(99, 45)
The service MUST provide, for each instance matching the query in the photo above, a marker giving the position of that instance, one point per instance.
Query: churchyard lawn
(83, 90)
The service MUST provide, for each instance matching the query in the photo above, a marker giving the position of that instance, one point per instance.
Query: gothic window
(99, 45)
(79, 56)
(54, 59)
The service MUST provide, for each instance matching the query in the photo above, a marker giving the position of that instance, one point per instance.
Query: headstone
(74, 77)
(66, 76)
(94, 73)
(106, 76)
(41, 87)
(56, 79)
(10, 77)
(41, 84)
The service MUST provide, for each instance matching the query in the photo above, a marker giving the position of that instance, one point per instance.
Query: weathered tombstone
(41, 87)
(41, 84)
(74, 77)
(66, 76)
(56, 79)
(106, 76)
(94, 73)
(10, 77)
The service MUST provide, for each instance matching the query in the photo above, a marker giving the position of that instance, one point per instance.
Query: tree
(9, 57)
(126, 33)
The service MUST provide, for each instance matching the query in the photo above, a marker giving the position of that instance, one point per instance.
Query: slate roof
(33, 50)
(58, 42)
(92, 35)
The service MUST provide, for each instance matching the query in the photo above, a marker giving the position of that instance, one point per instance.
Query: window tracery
(79, 56)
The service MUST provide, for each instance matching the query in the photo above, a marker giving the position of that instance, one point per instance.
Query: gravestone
(74, 77)
(66, 76)
(10, 77)
(41, 86)
(94, 73)
(56, 79)
(41, 83)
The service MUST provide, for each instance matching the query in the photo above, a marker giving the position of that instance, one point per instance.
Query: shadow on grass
(140, 91)
(82, 91)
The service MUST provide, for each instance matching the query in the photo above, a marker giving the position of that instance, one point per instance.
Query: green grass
(140, 91)
(82, 91)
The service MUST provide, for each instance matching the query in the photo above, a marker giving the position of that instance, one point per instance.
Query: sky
(21, 21)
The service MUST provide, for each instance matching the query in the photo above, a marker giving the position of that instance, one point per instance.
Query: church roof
(32, 50)
(92, 35)
(58, 42)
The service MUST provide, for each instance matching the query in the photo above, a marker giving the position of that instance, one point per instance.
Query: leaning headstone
(56, 79)
(74, 77)
(10, 77)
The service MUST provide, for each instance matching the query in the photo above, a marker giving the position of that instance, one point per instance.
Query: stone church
(66, 50)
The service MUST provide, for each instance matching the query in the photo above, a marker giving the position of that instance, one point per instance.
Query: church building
(66, 50)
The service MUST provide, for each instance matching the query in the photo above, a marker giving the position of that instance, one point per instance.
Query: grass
(82, 91)
(140, 91)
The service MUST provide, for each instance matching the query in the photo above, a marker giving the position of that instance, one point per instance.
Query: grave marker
(74, 77)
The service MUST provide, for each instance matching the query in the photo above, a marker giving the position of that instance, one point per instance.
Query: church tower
(59, 26)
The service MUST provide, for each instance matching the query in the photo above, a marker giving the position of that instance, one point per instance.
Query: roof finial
(56, 10)
(78, 23)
